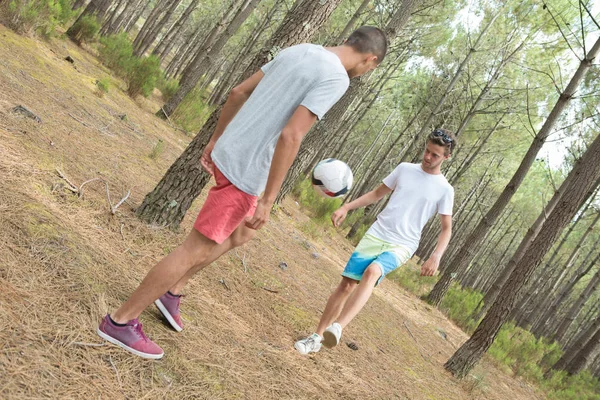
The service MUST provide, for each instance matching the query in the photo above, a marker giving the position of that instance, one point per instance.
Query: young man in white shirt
(419, 191)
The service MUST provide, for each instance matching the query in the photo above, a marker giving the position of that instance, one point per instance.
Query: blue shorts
(372, 250)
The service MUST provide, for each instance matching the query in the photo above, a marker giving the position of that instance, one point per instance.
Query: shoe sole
(167, 315)
(329, 340)
(129, 349)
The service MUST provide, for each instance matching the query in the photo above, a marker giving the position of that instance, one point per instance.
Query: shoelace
(310, 341)
(138, 329)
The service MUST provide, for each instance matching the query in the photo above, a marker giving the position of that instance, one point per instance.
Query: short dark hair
(368, 39)
(443, 137)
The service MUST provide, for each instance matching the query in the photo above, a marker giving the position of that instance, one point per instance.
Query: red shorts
(225, 208)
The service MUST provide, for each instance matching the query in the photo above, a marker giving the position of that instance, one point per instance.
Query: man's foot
(332, 335)
(130, 337)
(168, 304)
(311, 344)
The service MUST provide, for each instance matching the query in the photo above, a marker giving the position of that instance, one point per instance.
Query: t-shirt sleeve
(265, 68)
(325, 94)
(446, 203)
(392, 179)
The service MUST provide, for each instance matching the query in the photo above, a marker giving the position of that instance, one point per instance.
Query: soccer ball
(332, 178)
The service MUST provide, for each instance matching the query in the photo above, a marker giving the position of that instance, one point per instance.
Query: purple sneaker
(168, 304)
(130, 337)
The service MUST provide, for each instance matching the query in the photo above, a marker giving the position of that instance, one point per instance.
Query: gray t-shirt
(304, 75)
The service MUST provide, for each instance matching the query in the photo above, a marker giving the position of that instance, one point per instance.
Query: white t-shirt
(416, 197)
(304, 75)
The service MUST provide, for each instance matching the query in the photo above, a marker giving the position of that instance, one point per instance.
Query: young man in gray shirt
(254, 144)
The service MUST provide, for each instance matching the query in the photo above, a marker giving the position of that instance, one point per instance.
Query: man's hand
(339, 216)
(431, 265)
(206, 159)
(261, 215)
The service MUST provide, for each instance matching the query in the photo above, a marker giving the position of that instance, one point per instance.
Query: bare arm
(286, 150)
(433, 262)
(369, 198)
(236, 99)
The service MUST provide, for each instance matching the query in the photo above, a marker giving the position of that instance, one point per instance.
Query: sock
(116, 323)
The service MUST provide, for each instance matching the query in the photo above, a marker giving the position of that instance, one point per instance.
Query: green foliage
(320, 207)
(460, 305)
(193, 111)
(39, 16)
(583, 386)
(157, 149)
(116, 52)
(102, 86)
(520, 350)
(167, 87)
(84, 29)
(143, 76)
(409, 277)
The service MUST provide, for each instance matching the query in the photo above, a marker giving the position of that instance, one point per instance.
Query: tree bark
(577, 306)
(575, 355)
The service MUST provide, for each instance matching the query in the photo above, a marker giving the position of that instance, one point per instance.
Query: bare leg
(335, 303)
(241, 235)
(359, 297)
(194, 250)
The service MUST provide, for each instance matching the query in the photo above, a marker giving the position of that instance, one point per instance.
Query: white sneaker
(311, 344)
(332, 335)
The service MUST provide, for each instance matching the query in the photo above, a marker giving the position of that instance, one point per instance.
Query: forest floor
(65, 260)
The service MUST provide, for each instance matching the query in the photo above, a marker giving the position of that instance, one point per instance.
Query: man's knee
(372, 273)
(241, 236)
(347, 285)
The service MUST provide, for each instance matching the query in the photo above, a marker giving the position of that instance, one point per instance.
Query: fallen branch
(270, 290)
(222, 281)
(78, 120)
(113, 210)
(71, 187)
(79, 191)
(418, 345)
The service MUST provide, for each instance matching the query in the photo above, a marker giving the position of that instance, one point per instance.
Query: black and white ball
(332, 178)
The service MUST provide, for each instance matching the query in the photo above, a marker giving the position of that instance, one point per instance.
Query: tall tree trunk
(113, 17)
(577, 306)
(580, 180)
(185, 179)
(130, 23)
(168, 40)
(351, 22)
(97, 8)
(566, 290)
(152, 34)
(78, 4)
(202, 62)
(576, 353)
(465, 255)
(124, 16)
(190, 77)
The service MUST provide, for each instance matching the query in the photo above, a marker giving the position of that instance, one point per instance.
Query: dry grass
(66, 260)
